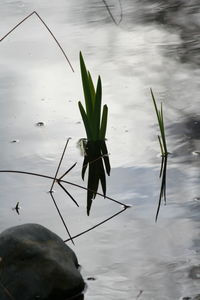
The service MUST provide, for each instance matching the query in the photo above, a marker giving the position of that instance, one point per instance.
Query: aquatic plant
(58, 180)
(164, 153)
(160, 118)
(95, 122)
(95, 125)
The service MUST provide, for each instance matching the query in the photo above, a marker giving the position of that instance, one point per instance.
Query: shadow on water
(97, 160)
(185, 135)
(180, 17)
(177, 16)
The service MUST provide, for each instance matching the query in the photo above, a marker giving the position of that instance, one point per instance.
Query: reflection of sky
(36, 84)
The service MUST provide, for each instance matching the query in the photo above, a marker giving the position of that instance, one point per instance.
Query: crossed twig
(47, 27)
(59, 180)
(56, 179)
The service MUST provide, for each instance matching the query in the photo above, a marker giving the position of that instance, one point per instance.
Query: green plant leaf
(84, 167)
(103, 123)
(92, 89)
(102, 177)
(155, 105)
(105, 157)
(160, 118)
(85, 121)
(97, 109)
(86, 87)
(161, 146)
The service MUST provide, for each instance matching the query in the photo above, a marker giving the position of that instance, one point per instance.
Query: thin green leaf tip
(95, 123)
(160, 118)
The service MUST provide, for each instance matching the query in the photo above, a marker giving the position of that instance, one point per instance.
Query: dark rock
(36, 264)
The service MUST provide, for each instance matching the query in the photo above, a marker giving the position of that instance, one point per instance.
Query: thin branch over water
(100, 223)
(110, 13)
(49, 30)
(61, 217)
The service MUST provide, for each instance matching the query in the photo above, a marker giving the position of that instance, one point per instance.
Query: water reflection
(131, 253)
(182, 18)
(96, 159)
(185, 136)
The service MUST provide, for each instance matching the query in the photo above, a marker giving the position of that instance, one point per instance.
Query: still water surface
(155, 45)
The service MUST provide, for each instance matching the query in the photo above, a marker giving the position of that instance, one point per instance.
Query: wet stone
(36, 264)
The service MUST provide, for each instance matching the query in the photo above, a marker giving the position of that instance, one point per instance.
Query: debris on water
(40, 124)
(139, 294)
(81, 145)
(17, 208)
(197, 199)
(91, 278)
(14, 141)
(196, 153)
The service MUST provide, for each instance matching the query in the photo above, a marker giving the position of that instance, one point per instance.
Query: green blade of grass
(161, 125)
(155, 105)
(163, 131)
(161, 146)
(86, 87)
(85, 121)
(84, 167)
(102, 177)
(102, 132)
(105, 157)
(161, 166)
(93, 183)
(92, 89)
(97, 109)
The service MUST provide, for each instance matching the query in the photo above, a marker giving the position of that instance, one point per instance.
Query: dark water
(155, 45)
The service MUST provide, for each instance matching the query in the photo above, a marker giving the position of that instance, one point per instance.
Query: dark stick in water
(49, 30)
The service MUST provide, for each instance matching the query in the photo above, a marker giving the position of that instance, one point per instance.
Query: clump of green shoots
(95, 122)
(95, 125)
(164, 152)
(161, 137)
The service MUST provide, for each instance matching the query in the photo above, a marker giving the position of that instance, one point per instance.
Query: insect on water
(56, 179)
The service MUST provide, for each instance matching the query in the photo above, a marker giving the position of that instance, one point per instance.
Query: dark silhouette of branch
(67, 171)
(64, 181)
(110, 13)
(63, 221)
(49, 30)
(70, 196)
(163, 172)
(61, 159)
(100, 223)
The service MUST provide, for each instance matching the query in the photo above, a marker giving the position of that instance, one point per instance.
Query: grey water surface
(148, 44)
